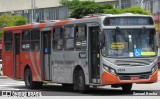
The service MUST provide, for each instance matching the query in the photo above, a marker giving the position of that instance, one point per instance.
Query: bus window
(57, 39)
(35, 40)
(8, 40)
(80, 42)
(26, 40)
(69, 37)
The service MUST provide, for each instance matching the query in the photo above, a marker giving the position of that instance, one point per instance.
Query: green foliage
(113, 11)
(83, 8)
(70, 3)
(11, 20)
(135, 10)
(19, 20)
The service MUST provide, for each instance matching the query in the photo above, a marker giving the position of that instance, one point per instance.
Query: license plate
(134, 77)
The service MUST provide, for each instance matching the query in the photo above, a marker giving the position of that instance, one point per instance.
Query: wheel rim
(80, 81)
(28, 79)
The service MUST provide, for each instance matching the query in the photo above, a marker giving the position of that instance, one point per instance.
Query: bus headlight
(113, 71)
(154, 69)
(109, 69)
(106, 67)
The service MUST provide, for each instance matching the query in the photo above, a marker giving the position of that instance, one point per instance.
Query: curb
(3, 77)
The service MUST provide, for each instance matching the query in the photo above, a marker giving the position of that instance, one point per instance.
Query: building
(53, 10)
(151, 5)
(44, 9)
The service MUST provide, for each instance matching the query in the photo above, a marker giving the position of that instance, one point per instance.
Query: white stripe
(33, 65)
(13, 83)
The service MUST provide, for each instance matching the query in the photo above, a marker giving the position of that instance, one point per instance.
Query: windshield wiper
(120, 32)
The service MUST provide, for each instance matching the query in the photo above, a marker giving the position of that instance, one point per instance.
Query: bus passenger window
(69, 37)
(8, 40)
(35, 40)
(57, 39)
(26, 40)
(81, 42)
(35, 46)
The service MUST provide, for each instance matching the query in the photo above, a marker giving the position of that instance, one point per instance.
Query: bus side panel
(32, 59)
(36, 68)
(8, 69)
(24, 62)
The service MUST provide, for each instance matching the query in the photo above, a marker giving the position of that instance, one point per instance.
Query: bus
(97, 50)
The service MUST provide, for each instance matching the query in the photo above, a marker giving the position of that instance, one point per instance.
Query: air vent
(133, 62)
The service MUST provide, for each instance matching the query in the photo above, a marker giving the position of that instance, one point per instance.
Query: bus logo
(137, 52)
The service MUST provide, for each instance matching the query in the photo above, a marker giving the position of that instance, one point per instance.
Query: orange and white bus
(117, 50)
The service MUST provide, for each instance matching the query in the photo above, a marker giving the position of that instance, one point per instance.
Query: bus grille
(133, 62)
(128, 77)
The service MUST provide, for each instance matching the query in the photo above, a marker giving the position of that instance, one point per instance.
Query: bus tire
(81, 82)
(28, 79)
(126, 87)
(67, 86)
(38, 85)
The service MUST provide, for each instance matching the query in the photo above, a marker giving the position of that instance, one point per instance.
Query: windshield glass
(129, 43)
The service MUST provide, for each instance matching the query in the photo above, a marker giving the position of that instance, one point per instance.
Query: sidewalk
(3, 77)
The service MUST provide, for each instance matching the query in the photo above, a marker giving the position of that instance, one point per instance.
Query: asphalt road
(58, 90)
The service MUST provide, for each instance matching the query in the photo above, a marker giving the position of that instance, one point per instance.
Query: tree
(11, 20)
(83, 8)
(135, 10)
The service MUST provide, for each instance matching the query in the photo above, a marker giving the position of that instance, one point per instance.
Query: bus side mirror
(101, 39)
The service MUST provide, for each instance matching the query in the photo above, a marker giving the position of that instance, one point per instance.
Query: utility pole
(141, 4)
(33, 10)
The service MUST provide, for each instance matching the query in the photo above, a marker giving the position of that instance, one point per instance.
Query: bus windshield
(129, 43)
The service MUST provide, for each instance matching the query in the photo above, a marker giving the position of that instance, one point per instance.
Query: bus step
(95, 80)
(93, 84)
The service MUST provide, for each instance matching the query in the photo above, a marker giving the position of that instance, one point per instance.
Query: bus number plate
(134, 77)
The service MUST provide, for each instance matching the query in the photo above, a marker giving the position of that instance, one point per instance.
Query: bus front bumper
(108, 78)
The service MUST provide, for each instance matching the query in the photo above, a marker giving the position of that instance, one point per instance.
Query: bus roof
(89, 18)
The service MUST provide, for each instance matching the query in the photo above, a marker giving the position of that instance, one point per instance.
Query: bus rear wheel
(30, 84)
(126, 87)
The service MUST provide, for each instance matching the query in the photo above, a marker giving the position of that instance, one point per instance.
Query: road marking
(15, 83)
(12, 84)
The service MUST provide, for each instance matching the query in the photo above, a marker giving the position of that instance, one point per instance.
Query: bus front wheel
(126, 87)
(81, 82)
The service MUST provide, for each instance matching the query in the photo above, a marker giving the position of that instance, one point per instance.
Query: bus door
(16, 55)
(93, 48)
(46, 46)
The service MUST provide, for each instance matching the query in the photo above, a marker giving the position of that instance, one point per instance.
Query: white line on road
(11, 85)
